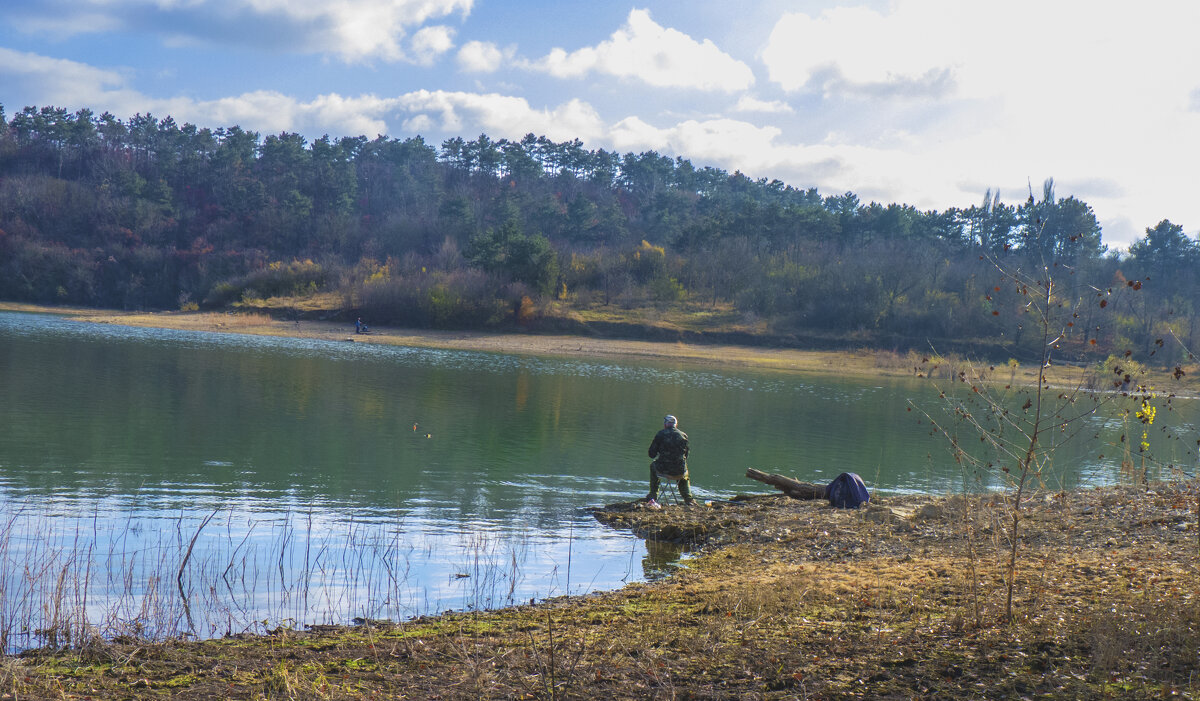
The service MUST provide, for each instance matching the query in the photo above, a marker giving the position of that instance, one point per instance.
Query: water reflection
(394, 470)
(662, 559)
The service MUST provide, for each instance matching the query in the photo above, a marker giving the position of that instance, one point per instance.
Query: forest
(147, 213)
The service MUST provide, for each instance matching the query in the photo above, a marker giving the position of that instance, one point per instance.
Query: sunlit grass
(237, 321)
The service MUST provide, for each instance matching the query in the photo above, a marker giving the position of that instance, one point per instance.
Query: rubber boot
(685, 492)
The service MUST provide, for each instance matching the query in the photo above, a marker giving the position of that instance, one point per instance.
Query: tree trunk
(793, 488)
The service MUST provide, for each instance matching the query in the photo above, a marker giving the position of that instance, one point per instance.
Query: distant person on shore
(359, 326)
(670, 451)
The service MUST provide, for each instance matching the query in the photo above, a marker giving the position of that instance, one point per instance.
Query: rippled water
(350, 479)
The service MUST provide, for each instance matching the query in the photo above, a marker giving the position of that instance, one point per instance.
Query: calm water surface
(208, 483)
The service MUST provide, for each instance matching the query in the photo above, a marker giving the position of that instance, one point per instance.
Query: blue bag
(847, 491)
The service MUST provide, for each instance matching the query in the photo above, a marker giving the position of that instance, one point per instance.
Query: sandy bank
(841, 362)
(858, 362)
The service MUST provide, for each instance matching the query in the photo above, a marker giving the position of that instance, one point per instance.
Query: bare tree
(1020, 428)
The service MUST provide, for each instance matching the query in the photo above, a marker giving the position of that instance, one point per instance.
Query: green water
(369, 478)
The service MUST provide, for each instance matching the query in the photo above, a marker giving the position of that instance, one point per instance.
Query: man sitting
(669, 450)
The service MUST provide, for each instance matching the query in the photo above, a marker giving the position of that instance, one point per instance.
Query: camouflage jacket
(670, 447)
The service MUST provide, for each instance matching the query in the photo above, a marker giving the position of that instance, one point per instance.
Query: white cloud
(856, 47)
(57, 81)
(428, 43)
(1086, 92)
(749, 104)
(74, 85)
(716, 139)
(482, 57)
(661, 57)
(1068, 50)
(61, 25)
(267, 111)
(271, 112)
(500, 116)
(358, 29)
(420, 124)
(355, 30)
(352, 116)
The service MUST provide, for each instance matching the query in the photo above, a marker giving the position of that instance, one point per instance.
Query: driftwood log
(793, 488)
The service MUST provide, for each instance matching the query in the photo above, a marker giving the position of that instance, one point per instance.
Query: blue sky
(925, 102)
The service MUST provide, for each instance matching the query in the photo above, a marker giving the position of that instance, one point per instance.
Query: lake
(157, 482)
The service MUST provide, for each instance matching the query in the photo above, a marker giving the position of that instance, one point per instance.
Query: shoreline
(555, 345)
(862, 362)
(787, 599)
(784, 599)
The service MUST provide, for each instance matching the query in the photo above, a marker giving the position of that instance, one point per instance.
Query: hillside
(147, 214)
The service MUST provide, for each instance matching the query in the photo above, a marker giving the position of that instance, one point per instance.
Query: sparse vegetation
(790, 599)
(60, 591)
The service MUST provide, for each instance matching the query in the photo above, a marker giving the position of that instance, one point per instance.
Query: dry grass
(790, 600)
(676, 317)
(237, 321)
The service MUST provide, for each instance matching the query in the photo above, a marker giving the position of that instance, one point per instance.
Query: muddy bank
(784, 599)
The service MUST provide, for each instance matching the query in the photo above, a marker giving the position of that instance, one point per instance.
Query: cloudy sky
(925, 102)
